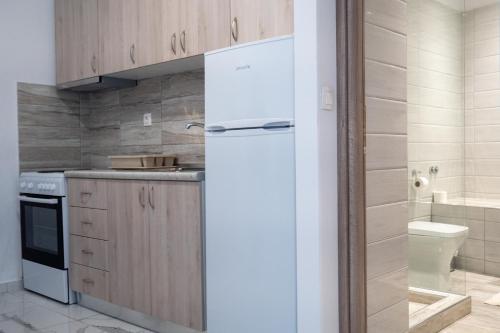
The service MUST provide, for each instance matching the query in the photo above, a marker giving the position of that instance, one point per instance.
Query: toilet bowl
(431, 249)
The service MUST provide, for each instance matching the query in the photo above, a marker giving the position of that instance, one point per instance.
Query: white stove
(45, 234)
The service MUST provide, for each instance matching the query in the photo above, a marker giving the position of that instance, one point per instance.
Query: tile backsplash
(82, 130)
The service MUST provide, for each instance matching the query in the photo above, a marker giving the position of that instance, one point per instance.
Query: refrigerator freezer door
(250, 231)
(250, 82)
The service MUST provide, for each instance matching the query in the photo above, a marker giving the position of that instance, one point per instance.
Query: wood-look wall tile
(175, 132)
(385, 81)
(101, 117)
(385, 45)
(33, 158)
(38, 94)
(386, 186)
(387, 256)
(101, 137)
(133, 114)
(146, 91)
(388, 14)
(385, 116)
(34, 136)
(386, 151)
(183, 85)
(190, 154)
(394, 319)
(138, 135)
(109, 97)
(48, 115)
(183, 108)
(386, 221)
(387, 290)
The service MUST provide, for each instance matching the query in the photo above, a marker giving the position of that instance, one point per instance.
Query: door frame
(351, 166)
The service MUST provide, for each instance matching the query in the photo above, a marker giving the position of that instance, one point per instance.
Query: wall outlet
(147, 120)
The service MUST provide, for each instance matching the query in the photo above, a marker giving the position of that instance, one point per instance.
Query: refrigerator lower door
(250, 231)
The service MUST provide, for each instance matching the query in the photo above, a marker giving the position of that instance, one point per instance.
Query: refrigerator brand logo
(243, 68)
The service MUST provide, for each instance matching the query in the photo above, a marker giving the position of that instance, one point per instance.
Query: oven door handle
(39, 200)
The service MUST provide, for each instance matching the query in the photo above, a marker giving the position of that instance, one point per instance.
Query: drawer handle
(88, 281)
(183, 41)
(87, 252)
(85, 197)
(86, 222)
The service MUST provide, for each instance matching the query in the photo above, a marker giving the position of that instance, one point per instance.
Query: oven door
(42, 230)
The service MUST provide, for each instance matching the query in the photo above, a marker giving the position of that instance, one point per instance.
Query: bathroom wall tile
(487, 48)
(393, 319)
(473, 248)
(487, 13)
(487, 82)
(492, 251)
(419, 210)
(385, 116)
(386, 221)
(492, 231)
(492, 214)
(486, 30)
(387, 256)
(385, 81)
(386, 186)
(486, 65)
(387, 290)
(387, 14)
(487, 133)
(488, 116)
(492, 268)
(476, 229)
(385, 46)
(489, 99)
(470, 264)
(385, 151)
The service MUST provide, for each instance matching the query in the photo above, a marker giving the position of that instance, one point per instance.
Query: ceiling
(467, 4)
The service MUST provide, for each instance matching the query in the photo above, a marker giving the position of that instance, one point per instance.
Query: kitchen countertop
(187, 175)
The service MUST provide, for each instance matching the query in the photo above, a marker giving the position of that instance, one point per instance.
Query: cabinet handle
(234, 29)
(88, 281)
(173, 43)
(87, 252)
(86, 222)
(132, 53)
(151, 197)
(85, 197)
(141, 197)
(183, 41)
(93, 64)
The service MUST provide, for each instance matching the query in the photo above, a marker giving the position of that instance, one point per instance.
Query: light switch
(326, 99)
(147, 120)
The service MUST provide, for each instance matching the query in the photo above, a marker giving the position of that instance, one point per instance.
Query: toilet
(431, 249)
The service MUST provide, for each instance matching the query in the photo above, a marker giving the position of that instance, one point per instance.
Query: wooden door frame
(351, 166)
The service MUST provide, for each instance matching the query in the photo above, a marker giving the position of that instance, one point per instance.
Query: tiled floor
(484, 318)
(25, 312)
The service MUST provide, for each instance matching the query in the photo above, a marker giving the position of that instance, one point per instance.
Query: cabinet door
(170, 22)
(76, 39)
(128, 247)
(253, 20)
(176, 253)
(118, 34)
(150, 32)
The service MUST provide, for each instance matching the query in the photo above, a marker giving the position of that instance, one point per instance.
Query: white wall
(27, 55)
(316, 154)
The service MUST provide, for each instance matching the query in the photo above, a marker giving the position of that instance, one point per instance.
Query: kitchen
(132, 81)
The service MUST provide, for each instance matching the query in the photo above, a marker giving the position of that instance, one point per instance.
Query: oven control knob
(23, 184)
(30, 185)
(52, 187)
(39, 186)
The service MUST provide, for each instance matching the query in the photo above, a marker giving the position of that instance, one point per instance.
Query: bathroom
(453, 151)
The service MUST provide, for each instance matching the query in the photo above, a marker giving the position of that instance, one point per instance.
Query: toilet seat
(433, 229)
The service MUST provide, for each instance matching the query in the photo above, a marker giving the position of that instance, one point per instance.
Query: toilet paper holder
(419, 182)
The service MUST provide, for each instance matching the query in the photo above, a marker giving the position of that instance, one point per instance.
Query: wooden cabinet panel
(260, 19)
(91, 281)
(88, 222)
(76, 33)
(128, 247)
(89, 193)
(176, 253)
(150, 33)
(118, 34)
(89, 252)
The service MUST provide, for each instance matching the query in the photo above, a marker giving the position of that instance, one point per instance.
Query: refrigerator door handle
(278, 124)
(216, 129)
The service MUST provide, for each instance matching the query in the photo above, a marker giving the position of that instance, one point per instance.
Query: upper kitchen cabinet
(76, 33)
(118, 35)
(193, 27)
(253, 20)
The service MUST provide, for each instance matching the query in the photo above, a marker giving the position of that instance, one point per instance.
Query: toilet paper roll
(420, 183)
(440, 196)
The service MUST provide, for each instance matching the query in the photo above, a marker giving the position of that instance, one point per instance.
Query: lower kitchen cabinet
(154, 250)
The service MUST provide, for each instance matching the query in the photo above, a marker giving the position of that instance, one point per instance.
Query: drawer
(88, 222)
(93, 282)
(89, 252)
(89, 193)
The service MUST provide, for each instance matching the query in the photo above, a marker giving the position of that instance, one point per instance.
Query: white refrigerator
(250, 188)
